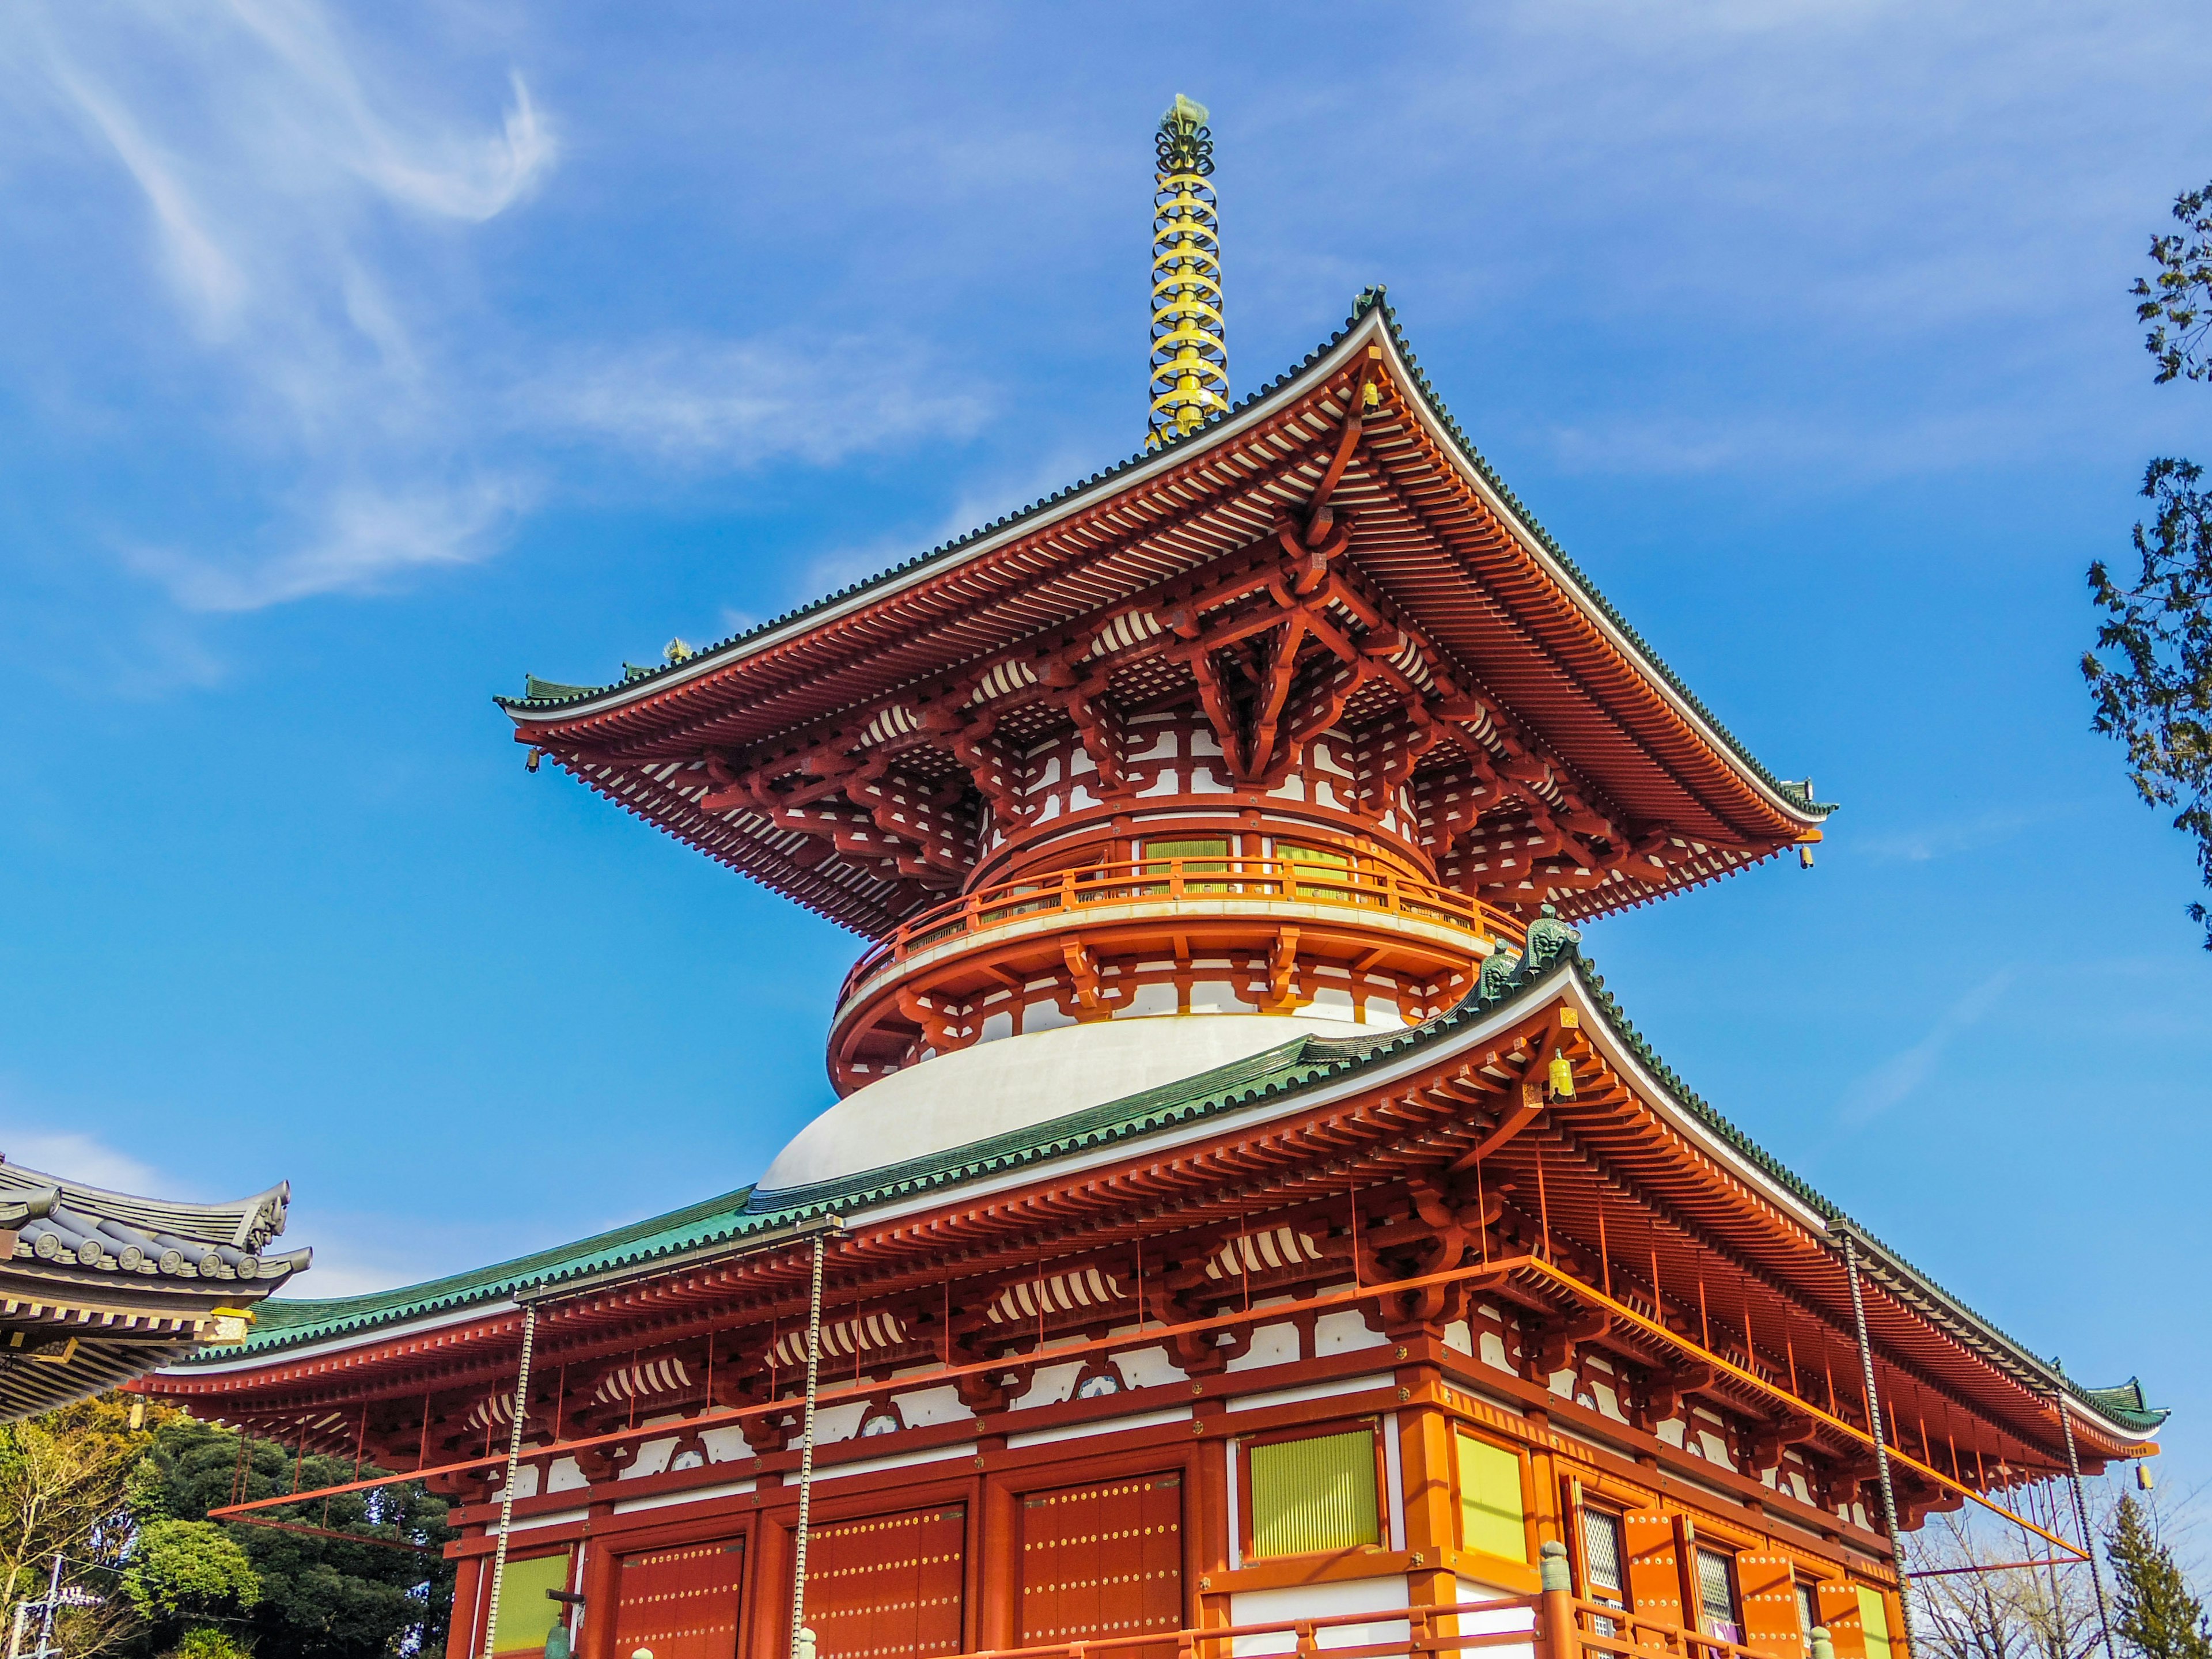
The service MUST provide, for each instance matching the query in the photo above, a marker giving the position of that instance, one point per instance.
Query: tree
(1993, 1612)
(65, 1488)
(320, 1598)
(2156, 1615)
(188, 1569)
(2150, 671)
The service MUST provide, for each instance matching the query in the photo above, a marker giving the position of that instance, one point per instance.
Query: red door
(1103, 1561)
(680, 1603)
(888, 1586)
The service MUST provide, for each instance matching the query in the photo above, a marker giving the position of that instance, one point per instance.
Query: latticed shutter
(1768, 1584)
(1655, 1572)
(527, 1613)
(1316, 1494)
(680, 1603)
(1839, 1616)
(1603, 1556)
(1492, 1518)
(1717, 1609)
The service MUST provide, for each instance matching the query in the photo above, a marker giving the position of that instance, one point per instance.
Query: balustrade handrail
(1419, 1637)
(1638, 1636)
(1268, 880)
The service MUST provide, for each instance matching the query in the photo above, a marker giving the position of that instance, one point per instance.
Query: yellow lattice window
(1200, 857)
(527, 1613)
(1491, 1516)
(1873, 1621)
(1334, 869)
(1317, 1493)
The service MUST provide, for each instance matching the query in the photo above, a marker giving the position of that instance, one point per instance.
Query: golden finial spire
(1190, 352)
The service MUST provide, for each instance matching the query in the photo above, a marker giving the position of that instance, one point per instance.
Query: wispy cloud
(367, 538)
(980, 500)
(1924, 843)
(1899, 1078)
(737, 404)
(81, 1158)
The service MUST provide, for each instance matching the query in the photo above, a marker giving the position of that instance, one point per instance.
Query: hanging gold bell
(1562, 1076)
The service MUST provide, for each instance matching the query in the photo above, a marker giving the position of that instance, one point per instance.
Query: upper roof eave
(1373, 322)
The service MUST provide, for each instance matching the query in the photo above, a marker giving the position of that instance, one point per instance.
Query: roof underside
(1434, 538)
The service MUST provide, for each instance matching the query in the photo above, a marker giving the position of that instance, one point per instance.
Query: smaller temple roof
(97, 1287)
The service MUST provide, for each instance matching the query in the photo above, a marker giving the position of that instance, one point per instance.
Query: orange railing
(1380, 892)
(1424, 1635)
(1601, 1631)
(1553, 1625)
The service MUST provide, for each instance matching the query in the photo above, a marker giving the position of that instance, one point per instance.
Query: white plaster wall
(1320, 1601)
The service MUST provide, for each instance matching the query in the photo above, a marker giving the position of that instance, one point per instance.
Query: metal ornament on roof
(1190, 349)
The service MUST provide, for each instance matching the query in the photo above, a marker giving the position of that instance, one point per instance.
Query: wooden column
(1424, 1470)
(602, 1589)
(461, 1623)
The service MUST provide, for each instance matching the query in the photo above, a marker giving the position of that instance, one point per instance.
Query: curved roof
(1433, 527)
(1256, 1087)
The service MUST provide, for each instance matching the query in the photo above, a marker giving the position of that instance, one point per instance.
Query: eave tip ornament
(1190, 351)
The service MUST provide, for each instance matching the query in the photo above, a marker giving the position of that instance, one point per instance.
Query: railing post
(1822, 1647)
(1555, 1614)
(1175, 879)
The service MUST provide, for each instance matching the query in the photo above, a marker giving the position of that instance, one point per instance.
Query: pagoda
(1249, 1225)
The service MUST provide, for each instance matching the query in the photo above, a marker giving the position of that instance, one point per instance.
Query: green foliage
(188, 1567)
(2150, 676)
(68, 1485)
(2157, 1615)
(321, 1598)
(2150, 672)
(2176, 300)
(208, 1643)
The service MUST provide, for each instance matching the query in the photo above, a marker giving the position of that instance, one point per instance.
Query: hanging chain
(2081, 1514)
(514, 1464)
(799, 1645)
(1881, 1444)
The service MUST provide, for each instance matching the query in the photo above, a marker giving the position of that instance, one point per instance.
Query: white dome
(973, 1094)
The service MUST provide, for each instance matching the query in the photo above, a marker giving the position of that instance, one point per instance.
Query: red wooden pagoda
(1248, 1225)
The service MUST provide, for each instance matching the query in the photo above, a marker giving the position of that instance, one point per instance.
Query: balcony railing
(1264, 881)
(1553, 1623)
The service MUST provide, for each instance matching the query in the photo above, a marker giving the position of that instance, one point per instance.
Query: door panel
(1655, 1571)
(889, 1586)
(680, 1603)
(1103, 1561)
(1768, 1585)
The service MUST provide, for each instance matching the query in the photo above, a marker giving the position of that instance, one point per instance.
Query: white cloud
(293, 194)
(741, 402)
(81, 1158)
(367, 539)
(1898, 1078)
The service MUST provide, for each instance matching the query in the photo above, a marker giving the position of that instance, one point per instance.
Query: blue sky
(356, 364)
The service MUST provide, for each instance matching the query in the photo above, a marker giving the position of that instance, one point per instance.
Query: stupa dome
(990, 1089)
